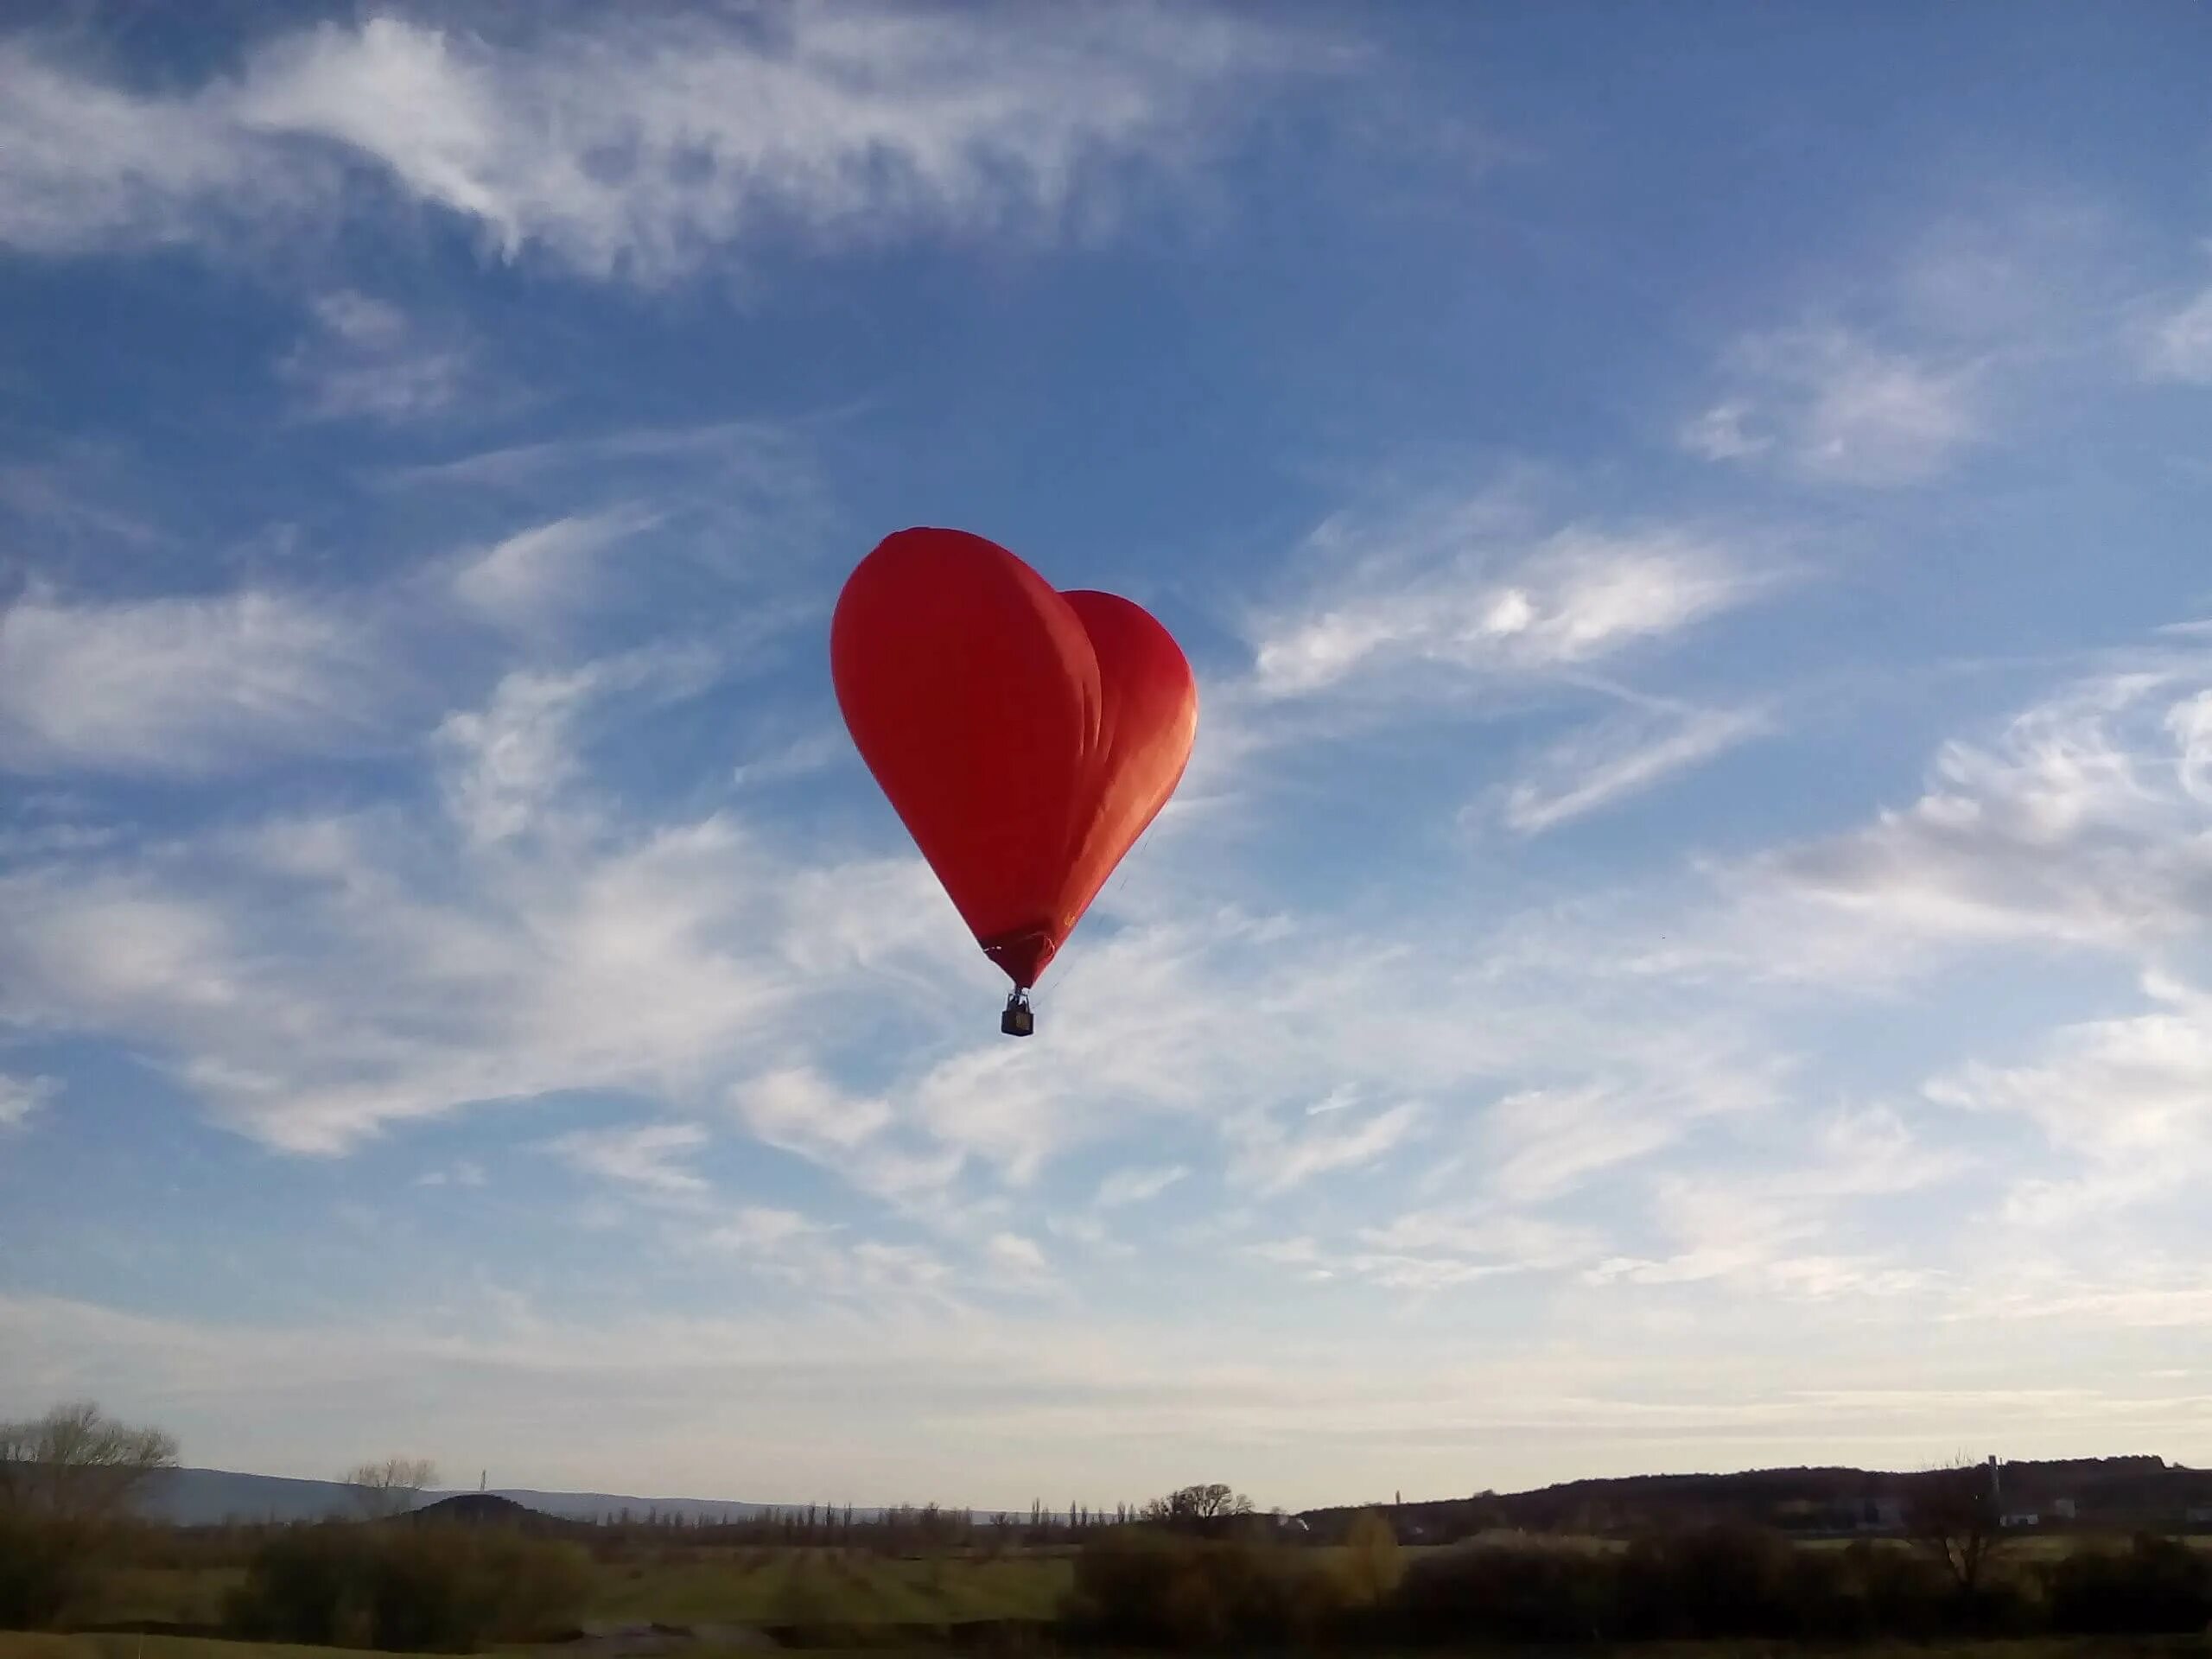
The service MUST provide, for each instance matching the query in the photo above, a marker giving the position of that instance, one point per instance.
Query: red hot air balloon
(1025, 737)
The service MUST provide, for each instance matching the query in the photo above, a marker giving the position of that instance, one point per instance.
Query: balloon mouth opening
(1022, 956)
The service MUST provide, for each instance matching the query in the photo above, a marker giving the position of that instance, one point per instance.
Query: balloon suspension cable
(1020, 1019)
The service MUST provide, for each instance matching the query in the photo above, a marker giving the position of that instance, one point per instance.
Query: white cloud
(512, 767)
(315, 980)
(1272, 1159)
(1722, 432)
(506, 762)
(1619, 758)
(800, 758)
(1017, 1257)
(2078, 826)
(21, 1098)
(1771, 1230)
(1840, 409)
(755, 460)
(2132, 1095)
(366, 361)
(800, 1109)
(652, 1157)
(858, 1138)
(1428, 1250)
(639, 151)
(2178, 347)
(2191, 724)
(1462, 585)
(463, 1172)
(536, 578)
(1540, 1143)
(763, 1228)
(1127, 1186)
(179, 685)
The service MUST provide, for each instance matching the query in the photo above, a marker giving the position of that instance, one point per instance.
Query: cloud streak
(181, 686)
(641, 153)
(1597, 769)
(1838, 409)
(1463, 588)
(653, 1159)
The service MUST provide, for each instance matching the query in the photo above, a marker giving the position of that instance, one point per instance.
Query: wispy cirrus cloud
(1838, 408)
(182, 685)
(316, 981)
(651, 1159)
(21, 1098)
(366, 359)
(538, 578)
(2177, 344)
(1127, 1186)
(1272, 1158)
(1466, 586)
(645, 151)
(2078, 825)
(2127, 1100)
(1620, 758)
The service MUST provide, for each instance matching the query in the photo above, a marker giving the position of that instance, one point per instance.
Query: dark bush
(420, 1589)
(1523, 1592)
(2156, 1585)
(48, 1570)
(1876, 1589)
(1725, 1579)
(1154, 1589)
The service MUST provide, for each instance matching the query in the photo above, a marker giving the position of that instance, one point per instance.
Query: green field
(706, 1586)
(796, 1586)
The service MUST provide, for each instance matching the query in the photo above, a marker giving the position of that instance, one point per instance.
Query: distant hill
(2110, 1491)
(2117, 1492)
(492, 1509)
(204, 1497)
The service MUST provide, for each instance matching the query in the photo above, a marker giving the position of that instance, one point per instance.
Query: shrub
(1151, 1589)
(2156, 1585)
(1521, 1592)
(409, 1588)
(1725, 1579)
(1371, 1565)
(48, 1569)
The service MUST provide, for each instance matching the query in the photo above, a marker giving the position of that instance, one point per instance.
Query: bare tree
(1952, 1513)
(390, 1488)
(1213, 1502)
(78, 1464)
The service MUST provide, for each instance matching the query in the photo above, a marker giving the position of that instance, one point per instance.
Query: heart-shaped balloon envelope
(1025, 737)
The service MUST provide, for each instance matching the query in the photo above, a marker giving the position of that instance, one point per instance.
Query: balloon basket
(1020, 1019)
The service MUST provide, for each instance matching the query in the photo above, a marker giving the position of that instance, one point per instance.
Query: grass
(168, 1595)
(776, 1586)
(14, 1644)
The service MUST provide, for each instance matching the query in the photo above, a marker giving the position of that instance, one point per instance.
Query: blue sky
(1684, 941)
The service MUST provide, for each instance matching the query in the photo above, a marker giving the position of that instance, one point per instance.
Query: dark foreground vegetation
(455, 1587)
(1154, 1591)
